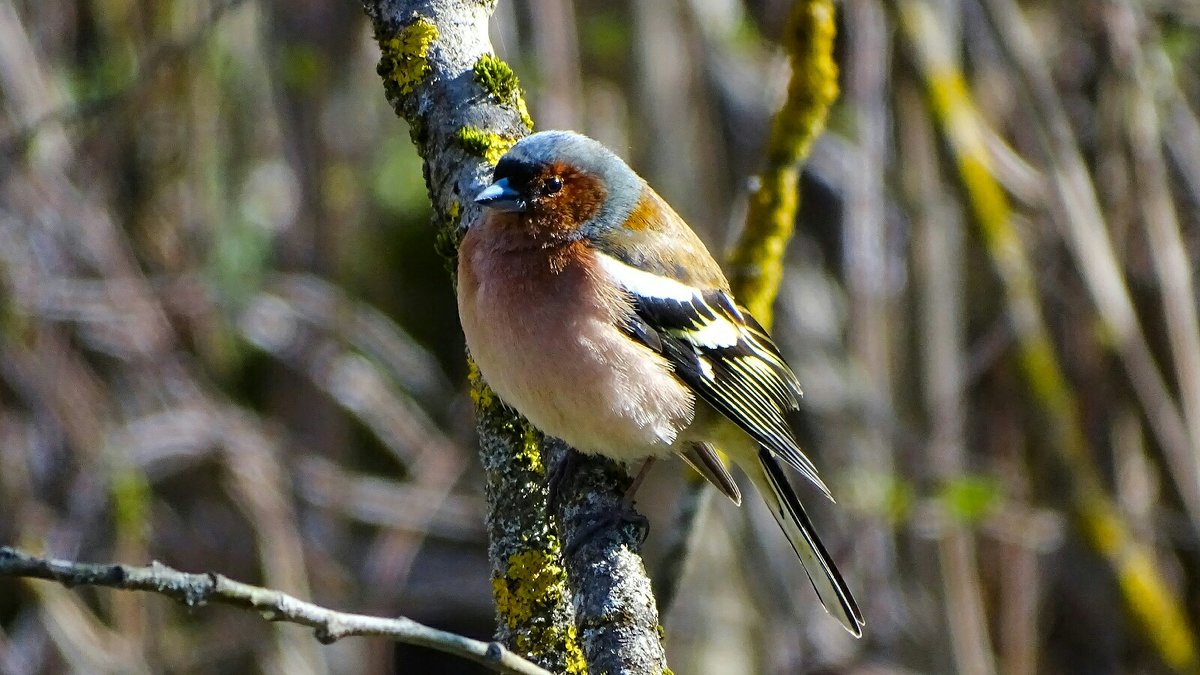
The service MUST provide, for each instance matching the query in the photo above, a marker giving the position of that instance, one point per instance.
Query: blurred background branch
(1146, 593)
(755, 265)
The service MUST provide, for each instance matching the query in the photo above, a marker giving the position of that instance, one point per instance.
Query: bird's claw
(621, 514)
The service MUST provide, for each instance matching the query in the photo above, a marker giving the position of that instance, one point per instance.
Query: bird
(591, 307)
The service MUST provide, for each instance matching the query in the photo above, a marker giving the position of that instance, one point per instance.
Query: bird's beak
(501, 197)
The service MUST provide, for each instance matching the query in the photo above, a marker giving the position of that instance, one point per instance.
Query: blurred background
(228, 339)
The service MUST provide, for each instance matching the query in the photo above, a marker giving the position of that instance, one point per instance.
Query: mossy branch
(465, 109)
(1146, 593)
(756, 264)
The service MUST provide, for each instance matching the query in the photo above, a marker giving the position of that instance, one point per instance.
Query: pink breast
(547, 342)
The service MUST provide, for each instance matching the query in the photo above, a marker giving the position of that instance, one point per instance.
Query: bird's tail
(772, 484)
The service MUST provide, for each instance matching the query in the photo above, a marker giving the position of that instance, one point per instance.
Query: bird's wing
(704, 459)
(721, 353)
(655, 239)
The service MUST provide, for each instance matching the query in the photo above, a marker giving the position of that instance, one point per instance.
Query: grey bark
(606, 599)
(196, 590)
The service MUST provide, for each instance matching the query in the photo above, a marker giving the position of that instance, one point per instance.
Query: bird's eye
(553, 184)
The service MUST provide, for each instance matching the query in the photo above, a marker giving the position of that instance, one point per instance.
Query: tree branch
(195, 590)
(465, 109)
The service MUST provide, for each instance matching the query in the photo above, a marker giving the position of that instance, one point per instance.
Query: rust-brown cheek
(559, 215)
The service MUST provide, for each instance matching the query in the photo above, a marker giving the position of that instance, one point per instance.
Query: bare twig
(1147, 77)
(196, 590)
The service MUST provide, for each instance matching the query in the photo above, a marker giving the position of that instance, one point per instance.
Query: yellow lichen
(756, 264)
(488, 145)
(534, 580)
(532, 585)
(481, 394)
(531, 449)
(404, 60)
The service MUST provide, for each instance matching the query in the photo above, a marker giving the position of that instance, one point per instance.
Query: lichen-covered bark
(615, 609)
(465, 109)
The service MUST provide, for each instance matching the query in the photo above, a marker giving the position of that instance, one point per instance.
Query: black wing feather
(746, 379)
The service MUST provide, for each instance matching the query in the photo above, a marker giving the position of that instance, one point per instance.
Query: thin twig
(940, 270)
(195, 590)
(1164, 232)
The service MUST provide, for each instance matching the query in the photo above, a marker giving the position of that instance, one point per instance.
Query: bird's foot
(620, 514)
(556, 480)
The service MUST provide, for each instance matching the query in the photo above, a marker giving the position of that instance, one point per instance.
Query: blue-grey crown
(588, 155)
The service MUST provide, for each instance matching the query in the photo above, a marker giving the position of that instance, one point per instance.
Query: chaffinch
(592, 308)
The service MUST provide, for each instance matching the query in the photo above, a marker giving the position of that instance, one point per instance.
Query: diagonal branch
(1145, 589)
(195, 590)
(756, 262)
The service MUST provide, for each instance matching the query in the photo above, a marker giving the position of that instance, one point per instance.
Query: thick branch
(465, 109)
(195, 590)
(615, 611)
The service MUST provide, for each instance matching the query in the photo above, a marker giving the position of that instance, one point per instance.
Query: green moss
(501, 83)
(485, 144)
(404, 62)
(496, 77)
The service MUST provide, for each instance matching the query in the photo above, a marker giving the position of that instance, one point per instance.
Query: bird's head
(562, 186)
